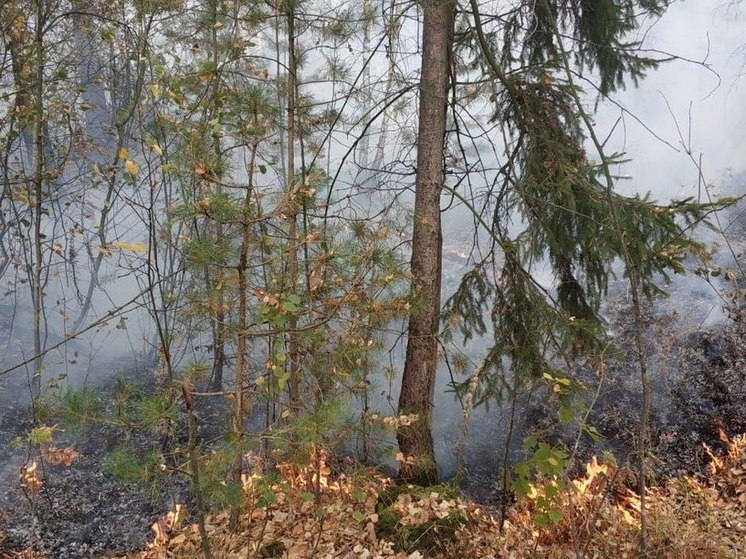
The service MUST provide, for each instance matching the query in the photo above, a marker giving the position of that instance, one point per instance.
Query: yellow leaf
(131, 167)
(176, 540)
(20, 195)
(155, 90)
(131, 247)
(155, 148)
(123, 153)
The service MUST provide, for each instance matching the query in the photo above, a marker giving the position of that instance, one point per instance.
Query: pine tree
(418, 380)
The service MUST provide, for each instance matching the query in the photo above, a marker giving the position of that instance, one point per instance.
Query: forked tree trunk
(418, 381)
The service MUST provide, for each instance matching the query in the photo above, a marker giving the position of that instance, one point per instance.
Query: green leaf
(542, 453)
(307, 496)
(267, 498)
(359, 516)
(565, 414)
(542, 520)
(555, 514)
(231, 437)
(522, 487)
(563, 381)
(609, 458)
(551, 490)
(594, 433)
(523, 470)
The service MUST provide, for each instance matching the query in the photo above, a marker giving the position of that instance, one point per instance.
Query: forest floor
(319, 514)
(696, 503)
(696, 506)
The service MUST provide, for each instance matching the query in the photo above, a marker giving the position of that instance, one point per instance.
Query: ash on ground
(82, 510)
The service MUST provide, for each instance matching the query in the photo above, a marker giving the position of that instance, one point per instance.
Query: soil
(80, 511)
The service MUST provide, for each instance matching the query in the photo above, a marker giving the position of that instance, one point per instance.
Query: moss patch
(416, 518)
(272, 550)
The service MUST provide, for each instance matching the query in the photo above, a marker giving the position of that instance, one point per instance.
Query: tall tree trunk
(219, 326)
(418, 381)
(293, 342)
(36, 199)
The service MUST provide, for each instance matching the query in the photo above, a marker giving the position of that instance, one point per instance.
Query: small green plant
(124, 392)
(40, 435)
(216, 488)
(123, 463)
(78, 408)
(154, 412)
(550, 464)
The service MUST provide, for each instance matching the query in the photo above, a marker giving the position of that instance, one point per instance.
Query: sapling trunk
(194, 456)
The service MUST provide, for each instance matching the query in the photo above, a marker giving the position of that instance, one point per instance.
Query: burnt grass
(81, 511)
(85, 511)
(698, 381)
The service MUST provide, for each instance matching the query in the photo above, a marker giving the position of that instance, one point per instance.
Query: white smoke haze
(694, 102)
(697, 99)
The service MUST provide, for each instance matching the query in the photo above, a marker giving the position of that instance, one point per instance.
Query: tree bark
(293, 341)
(418, 380)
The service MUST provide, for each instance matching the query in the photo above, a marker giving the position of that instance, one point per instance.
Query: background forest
(241, 238)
